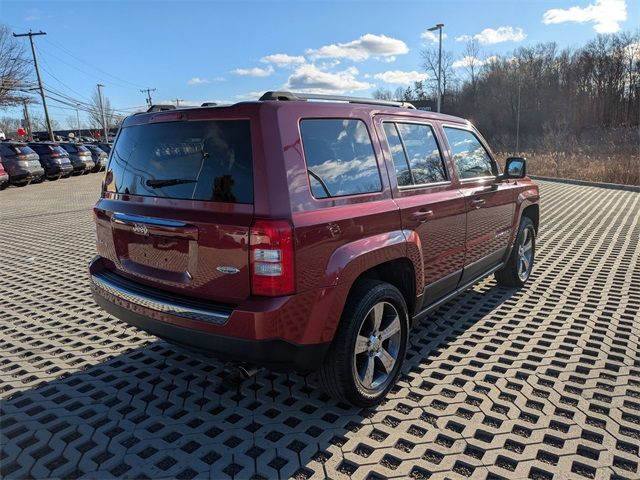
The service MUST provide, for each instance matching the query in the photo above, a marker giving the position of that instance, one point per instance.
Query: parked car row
(22, 163)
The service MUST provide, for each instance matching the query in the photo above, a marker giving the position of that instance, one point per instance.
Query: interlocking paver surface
(538, 383)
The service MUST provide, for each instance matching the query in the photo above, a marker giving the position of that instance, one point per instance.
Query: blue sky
(207, 51)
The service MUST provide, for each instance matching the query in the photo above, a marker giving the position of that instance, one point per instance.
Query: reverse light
(272, 258)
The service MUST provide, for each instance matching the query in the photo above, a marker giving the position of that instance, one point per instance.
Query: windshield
(197, 160)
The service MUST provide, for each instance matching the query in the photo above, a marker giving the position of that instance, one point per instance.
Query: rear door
(429, 201)
(490, 205)
(178, 205)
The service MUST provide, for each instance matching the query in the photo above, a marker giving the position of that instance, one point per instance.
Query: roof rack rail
(161, 108)
(291, 96)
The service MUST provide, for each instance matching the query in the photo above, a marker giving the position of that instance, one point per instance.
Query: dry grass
(622, 168)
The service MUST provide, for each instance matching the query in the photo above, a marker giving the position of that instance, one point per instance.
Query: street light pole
(439, 28)
(104, 122)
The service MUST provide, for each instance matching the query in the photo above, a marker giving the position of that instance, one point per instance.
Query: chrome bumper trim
(172, 308)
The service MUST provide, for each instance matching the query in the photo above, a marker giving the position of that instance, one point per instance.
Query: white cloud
(606, 15)
(310, 78)
(432, 37)
(254, 72)
(369, 45)
(197, 81)
(490, 36)
(283, 60)
(401, 78)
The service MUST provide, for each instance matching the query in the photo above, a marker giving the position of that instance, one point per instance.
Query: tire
(21, 184)
(346, 374)
(520, 264)
(4, 185)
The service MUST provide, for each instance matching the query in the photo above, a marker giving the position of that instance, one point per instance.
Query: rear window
(195, 160)
(60, 150)
(82, 148)
(340, 158)
(23, 149)
(42, 148)
(69, 148)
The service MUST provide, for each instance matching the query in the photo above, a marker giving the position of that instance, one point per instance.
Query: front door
(490, 205)
(431, 206)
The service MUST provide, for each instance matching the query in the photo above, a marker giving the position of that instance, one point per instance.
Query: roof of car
(281, 99)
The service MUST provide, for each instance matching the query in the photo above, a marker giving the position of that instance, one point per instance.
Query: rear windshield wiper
(168, 182)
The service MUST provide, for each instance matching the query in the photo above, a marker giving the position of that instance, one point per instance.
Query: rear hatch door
(178, 205)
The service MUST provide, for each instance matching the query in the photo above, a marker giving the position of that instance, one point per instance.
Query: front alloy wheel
(518, 268)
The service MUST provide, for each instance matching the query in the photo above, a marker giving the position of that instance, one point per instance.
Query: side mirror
(516, 167)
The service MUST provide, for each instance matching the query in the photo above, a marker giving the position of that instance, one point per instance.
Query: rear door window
(195, 160)
(340, 157)
(416, 156)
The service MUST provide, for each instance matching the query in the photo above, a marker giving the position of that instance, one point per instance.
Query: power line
(93, 66)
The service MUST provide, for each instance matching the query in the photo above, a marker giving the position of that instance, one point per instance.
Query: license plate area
(165, 258)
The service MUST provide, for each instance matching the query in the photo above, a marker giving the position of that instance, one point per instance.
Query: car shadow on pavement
(162, 411)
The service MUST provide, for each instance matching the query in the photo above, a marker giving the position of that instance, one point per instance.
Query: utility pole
(27, 119)
(78, 118)
(35, 63)
(439, 27)
(178, 100)
(148, 92)
(104, 122)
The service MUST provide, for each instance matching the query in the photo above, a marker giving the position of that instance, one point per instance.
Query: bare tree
(14, 68)
(382, 94)
(473, 61)
(430, 64)
(112, 118)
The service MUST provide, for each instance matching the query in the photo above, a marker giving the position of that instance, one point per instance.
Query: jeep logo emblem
(140, 229)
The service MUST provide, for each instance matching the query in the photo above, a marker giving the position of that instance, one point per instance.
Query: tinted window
(403, 174)
(42, 149)
(69, 148)
(469, 156)
(340, 158)
(205, 160)
(22, 149)
(415, 152)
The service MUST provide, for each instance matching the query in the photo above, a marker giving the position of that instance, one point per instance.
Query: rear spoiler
(161, 108)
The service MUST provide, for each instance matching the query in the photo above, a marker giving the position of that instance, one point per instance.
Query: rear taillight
(272, 263)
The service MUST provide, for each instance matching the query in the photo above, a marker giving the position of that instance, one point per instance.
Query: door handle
(478, 202)
(422, 215)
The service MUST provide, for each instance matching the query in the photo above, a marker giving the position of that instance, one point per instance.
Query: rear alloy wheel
(520, 264)
(368, 350)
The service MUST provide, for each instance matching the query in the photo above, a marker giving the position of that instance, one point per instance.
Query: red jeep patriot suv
(305, 235)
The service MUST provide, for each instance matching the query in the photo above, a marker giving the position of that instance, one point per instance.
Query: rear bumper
(59, 169)
(248, 333)
(4, 178)
(83, 166)
(22, 175)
